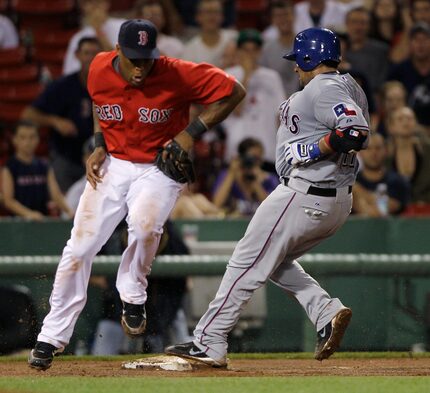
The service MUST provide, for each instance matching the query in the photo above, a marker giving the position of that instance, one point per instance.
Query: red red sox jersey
(136, 121)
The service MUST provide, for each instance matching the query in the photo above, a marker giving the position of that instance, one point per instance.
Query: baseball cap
(420, 27)
(249, 35)
(138, 39)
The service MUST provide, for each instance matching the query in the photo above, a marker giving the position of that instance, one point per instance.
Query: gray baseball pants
(286, 225)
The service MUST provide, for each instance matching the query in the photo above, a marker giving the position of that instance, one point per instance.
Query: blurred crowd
(46, 124)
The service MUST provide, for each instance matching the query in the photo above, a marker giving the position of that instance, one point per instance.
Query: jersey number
(348, 160)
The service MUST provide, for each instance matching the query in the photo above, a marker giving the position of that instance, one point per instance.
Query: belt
(324, 192)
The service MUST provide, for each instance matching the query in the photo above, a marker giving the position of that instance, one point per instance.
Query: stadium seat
(43, 7)
(124, 5)
(52, 58)
(20, 93)
(12, 57)
(43, 13)
(19, 74)
(417, 209)
(251, 5)
(10, 112)
(4, 5)
(6, 150)
(251, 14)
(52, 38)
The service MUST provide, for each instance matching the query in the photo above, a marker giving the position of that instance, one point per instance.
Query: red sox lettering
(114, 112)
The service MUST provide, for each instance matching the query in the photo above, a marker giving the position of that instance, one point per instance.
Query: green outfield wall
(379, 267)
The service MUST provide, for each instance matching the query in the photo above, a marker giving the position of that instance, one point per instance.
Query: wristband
(314, 151)
(99, 140)
(197, 127)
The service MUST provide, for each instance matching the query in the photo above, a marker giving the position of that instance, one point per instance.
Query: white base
(162, 362)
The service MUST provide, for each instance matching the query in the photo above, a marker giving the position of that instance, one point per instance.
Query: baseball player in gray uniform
(322, 128)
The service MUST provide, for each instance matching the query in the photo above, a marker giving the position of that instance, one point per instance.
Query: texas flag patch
(342, 109)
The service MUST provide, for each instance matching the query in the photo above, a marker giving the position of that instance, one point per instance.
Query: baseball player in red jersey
(141, 103)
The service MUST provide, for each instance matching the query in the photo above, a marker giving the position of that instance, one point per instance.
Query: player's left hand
(301, 153)
(175, 162)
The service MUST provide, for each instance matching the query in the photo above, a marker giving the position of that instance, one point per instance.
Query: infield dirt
(237, 368)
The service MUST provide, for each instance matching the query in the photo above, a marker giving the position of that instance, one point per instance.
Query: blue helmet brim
(290, 56)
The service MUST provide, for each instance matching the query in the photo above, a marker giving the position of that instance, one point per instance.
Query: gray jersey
(329, 101)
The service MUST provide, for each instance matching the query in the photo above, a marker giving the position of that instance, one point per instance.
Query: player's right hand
(301, 153)
(93, 165)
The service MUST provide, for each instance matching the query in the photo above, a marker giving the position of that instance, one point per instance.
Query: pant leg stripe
(249, 268)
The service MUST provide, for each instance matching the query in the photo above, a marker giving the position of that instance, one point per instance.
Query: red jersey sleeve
(205, 82)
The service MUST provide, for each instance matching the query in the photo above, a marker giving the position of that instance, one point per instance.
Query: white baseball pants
(147, 196)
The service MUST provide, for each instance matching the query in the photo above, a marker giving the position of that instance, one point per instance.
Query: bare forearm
(324, 148)
(238, 109)
(104, 40)
(38, 117)
(223, 191)
(96, 124)
(17, 208)
(219, 110)
(260, 192)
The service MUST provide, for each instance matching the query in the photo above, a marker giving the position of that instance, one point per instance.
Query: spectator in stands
(194, 205)
(282, 16)
(378, 191)
(366, 55)
(187, 9)
(75, 191)
(314, 13)
(416, 69)
(346, 67)
(420, 11)
(229, 55)
(97, 23)
(410, 152)
(155, 11)
(257, 115)
(392, 97)
(420, 103)
(8, 35)
(209, 44)
(320, 13)
(241, 188)
(65, 107)
(414, 72)
(390, 23)
(28, 182)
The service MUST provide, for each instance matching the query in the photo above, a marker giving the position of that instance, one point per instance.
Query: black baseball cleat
(330, 336)
(190, 351)
(41, 356)
(133, 319)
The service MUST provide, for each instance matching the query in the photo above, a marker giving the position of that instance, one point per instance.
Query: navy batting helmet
(313, 46)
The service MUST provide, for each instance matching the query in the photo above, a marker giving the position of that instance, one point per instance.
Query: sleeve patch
(342, 109)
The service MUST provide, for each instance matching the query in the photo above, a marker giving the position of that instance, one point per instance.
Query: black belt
(324, 192)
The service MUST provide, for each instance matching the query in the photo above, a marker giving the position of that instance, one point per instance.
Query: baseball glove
(175, 163)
